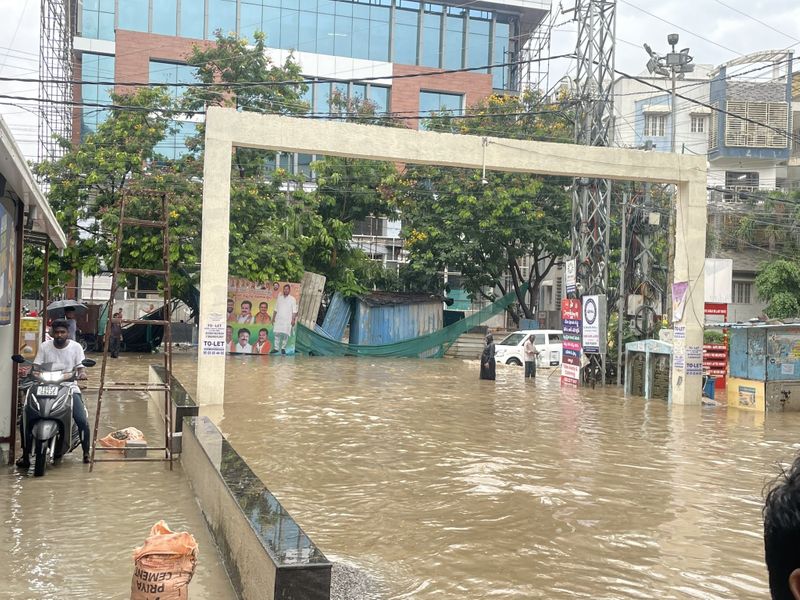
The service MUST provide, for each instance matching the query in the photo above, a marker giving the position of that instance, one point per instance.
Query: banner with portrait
(261, 317)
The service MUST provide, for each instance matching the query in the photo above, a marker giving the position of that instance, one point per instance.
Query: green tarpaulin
(431, 345)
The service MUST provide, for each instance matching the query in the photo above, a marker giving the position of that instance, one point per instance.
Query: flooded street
(433, 484)
(446, 487)
(71, 533)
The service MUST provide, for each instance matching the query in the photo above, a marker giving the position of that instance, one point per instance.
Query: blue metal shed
(387, 317)
(337, 317)
(765, 367)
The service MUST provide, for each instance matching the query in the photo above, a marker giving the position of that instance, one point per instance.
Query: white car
(547, 341)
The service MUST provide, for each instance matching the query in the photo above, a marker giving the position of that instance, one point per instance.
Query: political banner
(261, 318)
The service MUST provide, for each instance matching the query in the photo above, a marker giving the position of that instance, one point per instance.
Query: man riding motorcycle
(69, 353)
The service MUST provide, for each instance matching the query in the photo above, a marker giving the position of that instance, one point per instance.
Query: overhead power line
(305, 80)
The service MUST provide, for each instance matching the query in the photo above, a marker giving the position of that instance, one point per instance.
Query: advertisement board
(571, 341)
(571, 275)
(261, 318)
(30, 336)
(593, 323)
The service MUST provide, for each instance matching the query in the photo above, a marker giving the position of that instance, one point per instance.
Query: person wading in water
(487, 359)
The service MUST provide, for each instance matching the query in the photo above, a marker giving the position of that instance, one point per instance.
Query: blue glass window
(432, 102)
(360, 37)
(454, 40)
(165, 17)
(249, 18)
(133, 15)
(221, 16)
(98, 19)
(171, 73)
(379, 33)
(95, 67)
(307, 37)
(359, 91)
(431, 37)
(326, 33)
(379, 95)
(322, 96)
(502, 54)
(192, 18)
(271, 25)
(406, 26)
(290, 24)
(478, 40)
(343, 38)
(173, 146)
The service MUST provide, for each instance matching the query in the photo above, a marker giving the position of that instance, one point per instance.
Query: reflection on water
(71, 534)
(447, 487)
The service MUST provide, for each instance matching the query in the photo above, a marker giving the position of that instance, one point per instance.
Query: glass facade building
(173, 145)
(95, 67)
(399, 31)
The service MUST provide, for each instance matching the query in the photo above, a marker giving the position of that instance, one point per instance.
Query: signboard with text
(571, 341)
(593, 323)
(571, 272)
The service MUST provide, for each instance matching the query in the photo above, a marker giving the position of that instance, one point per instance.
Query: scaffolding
(56, 27)
(535, 75)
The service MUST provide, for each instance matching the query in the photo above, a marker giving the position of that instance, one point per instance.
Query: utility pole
(591, 198)
(622, 295)
(674, 65)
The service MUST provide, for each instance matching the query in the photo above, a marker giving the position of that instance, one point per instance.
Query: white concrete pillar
(214, 260)
(690, 252)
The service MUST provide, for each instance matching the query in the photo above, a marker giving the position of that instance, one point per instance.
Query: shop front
(25, 218)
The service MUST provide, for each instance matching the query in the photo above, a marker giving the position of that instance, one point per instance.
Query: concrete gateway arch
(226, 128)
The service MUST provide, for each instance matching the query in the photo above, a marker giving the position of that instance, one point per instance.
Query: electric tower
(591, 198)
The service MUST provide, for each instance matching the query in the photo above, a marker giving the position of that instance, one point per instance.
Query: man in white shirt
(69, 355)
(243, 346)
(530, 353)
(246, 315)
(283, 319)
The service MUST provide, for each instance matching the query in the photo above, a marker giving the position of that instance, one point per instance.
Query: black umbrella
(56, 309)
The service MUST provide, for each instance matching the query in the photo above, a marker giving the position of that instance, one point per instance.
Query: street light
(674, 65)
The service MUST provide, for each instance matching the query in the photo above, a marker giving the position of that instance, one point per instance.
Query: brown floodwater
(71, 533)
(442, 486)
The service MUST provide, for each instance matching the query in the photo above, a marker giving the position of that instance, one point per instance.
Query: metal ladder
(164, 272)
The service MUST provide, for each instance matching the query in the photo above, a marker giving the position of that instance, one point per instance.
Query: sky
(716, 31)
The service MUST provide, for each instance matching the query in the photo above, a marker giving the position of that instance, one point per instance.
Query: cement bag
(164, 566)
(118, 439)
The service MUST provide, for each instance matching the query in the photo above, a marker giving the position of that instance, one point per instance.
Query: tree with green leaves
(493, 229)
(779, 284)
(86, 184)
(350, 190)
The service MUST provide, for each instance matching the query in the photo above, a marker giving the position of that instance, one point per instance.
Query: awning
(20, 181)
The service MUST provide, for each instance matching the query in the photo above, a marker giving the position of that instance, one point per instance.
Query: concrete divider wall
(266, 553)
(182, 403)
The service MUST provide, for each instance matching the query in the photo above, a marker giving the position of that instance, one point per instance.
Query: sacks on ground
(118, 439)
(164, 566)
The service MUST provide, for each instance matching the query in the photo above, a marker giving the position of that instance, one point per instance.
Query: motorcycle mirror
(88, 362)
(18, 358)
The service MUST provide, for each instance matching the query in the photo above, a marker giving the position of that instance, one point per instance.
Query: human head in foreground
(782, 534)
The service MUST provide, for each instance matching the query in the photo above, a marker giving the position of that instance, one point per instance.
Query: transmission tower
(591, 198)
(56, 26)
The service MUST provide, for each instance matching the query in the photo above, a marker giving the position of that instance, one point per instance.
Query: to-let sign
(213, 338)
